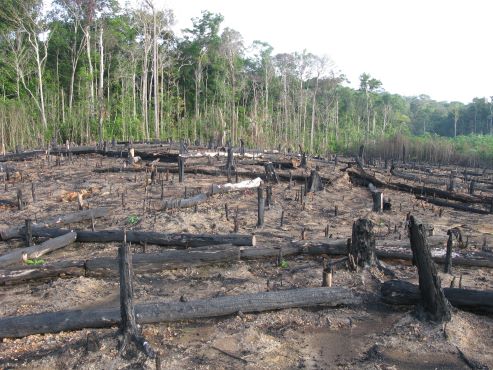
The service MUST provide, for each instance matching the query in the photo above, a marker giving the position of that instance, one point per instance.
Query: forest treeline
(88, 70)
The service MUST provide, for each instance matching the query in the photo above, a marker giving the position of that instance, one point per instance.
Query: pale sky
(436, 47)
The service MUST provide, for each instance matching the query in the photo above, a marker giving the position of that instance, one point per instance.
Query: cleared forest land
(230, 249)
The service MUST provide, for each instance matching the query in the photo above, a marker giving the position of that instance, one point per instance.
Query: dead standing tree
(128, 326)
(434, 305)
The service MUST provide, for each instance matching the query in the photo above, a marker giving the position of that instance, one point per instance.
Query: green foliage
(208, 87)
(284, 264)
(133, 219)
(35, 261)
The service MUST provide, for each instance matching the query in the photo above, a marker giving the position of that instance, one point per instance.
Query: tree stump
(181, 169)
(268, 196)
(20, 200)
(434, 305)
(242, 147)
(362, 247)
(261, 206)
(270, 173)
(303, 160)
(315, 182)
(377, 197)
(448, 256)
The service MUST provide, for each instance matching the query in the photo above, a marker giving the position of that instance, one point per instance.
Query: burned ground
(367, 335)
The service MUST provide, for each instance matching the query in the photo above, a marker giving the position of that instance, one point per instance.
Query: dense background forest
(88, 70)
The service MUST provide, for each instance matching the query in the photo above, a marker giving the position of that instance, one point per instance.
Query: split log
(400, 292)
(215, 189)
(458, 206)
(37, 251)
(71, 218)
(53, 322)
(435, 305)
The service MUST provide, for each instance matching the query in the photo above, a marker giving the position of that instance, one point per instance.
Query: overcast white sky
(436, 47)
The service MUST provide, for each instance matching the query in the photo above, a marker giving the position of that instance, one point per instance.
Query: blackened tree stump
(270, 173)
(314, 182)
(261, 207)
(362, 247)
(434, 305)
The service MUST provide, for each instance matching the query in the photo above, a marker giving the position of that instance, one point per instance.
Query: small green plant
(284, 264)
(133, 219)
(35, 261)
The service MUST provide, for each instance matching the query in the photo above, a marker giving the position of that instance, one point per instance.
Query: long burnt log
(53, 322)
(363, 178)
(42, 272)
(8, 157)
(460, 207)
(172, 259)
(37, 251)
(217, 172)
(70, 218)
(425, 179)
(401, 292)
(149, 237)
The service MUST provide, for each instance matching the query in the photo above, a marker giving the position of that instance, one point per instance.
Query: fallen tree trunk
(363, 178)
(460, 207)
(217, 172)
(53, 322)
(404, 293)
(42, 272)
(225, 253)
(22, 156)
(171, 259)
(70, 218)
(37, 251)
(215, 189)
(149, 237)
(425, 179)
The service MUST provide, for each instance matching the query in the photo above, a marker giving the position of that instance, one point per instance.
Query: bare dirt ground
(368, 336)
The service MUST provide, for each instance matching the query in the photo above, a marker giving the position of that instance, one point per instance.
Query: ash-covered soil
(372, 335)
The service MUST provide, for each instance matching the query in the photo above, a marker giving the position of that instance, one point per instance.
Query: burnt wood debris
(280, 188)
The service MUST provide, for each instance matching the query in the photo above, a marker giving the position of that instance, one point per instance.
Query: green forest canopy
(89, 70)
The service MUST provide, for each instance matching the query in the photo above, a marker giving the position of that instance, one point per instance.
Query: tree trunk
(315, 182)
(101, 85)
(362, 247)
(37, 251)
(70, 218)
(434, 304)
(404, 293)
(150, 237)
(53, 322)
